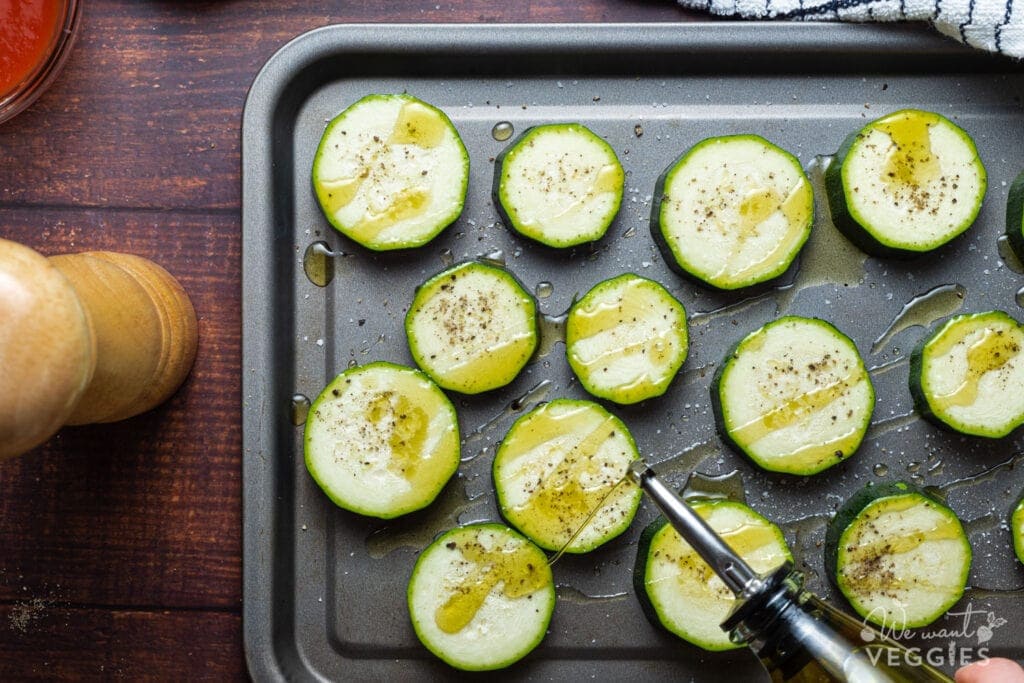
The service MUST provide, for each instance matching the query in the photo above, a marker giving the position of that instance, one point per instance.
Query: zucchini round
(391, 172)
(558, 184)
(905, 184)
(1015, 216)
(481, 597)
(1017, 529)
(732, 211)
(680, 592)
(969, 374)
(900, 557)
(472, 327)
(626, 339)
(382, 440)
(557, 465)
(793, 396)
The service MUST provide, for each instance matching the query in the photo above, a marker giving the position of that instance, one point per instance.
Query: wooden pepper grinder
(86, 338)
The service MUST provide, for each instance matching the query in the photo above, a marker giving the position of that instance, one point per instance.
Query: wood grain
(164, 84)
(46, 641)
(145, 511)
(122, 543)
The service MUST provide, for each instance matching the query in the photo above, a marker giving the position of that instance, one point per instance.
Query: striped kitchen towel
(993, 25)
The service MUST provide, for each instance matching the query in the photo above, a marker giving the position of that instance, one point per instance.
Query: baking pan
(325, 589)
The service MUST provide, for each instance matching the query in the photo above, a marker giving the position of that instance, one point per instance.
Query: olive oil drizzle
(299, 405)
(796, 408)
(922, 311)
(867, 546)
(318, 263)
(991, 352)
(516, 567)
(407, 426)
(694, 572)
(1008, 255)
(560, 497)
(407, 204)
(609, 178)
(590, 518)
(416, 125)
(910, 161)
(757, 207)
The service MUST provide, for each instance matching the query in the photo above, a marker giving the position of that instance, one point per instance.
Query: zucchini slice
(481, 597)
(900, 557)
(626, 339)
(969, 374)
(1017, 529)
(558, 184)
(1015, 216)
(732, 211)
(382, 440)
(680, 592)
(557, 465)
(391, 172)
(472, 327)
(794, 396)
(905, 184)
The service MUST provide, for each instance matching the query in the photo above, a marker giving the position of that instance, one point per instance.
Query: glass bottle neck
(798, 637)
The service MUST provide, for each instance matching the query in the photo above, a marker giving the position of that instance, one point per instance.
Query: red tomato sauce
(27, 30)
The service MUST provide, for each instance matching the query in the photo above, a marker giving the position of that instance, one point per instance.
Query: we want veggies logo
(962, 644)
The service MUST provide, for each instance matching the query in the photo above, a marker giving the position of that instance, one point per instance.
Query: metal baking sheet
(325, 589)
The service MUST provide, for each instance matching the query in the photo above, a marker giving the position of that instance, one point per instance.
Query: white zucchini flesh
(687, 597)
(472, 328)
(903, 561)
(913, 180)
(391, 172)
(559, 184)
(382, 440)
(795, 396)
(971, 374)
(557, 465)
(626, 339)
(481, 597)
(734, 211)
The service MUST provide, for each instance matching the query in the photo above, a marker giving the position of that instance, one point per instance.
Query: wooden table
(120, 545)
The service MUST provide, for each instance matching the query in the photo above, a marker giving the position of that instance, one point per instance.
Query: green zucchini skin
(510, 220)
(861, 234)
(643, 552)
(1015, 216)
(841, 217)
(1017, 529)
(922, 401)
(721, 422)
(668, 250)
(848, 516)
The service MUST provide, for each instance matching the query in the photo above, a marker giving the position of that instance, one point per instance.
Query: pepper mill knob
(86, 338)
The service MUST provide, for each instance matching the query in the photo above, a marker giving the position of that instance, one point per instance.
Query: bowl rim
(23, 94)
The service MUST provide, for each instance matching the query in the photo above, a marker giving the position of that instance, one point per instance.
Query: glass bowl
(22, 94)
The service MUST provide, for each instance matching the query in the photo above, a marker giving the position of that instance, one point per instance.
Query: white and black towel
(993, 25)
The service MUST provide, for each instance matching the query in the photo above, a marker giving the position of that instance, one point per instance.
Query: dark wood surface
(120, 545)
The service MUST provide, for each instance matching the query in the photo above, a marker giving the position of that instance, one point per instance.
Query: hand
(995, 670)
